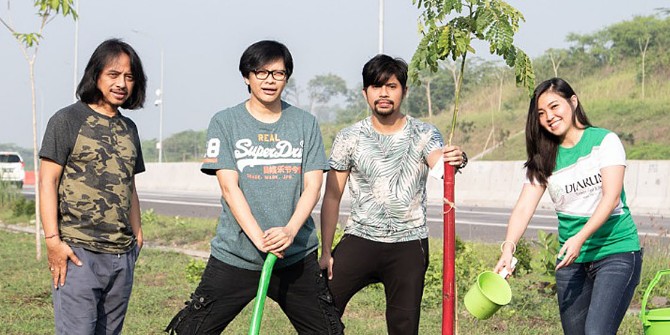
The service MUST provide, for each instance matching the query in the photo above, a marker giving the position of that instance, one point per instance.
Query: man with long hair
(89, 205)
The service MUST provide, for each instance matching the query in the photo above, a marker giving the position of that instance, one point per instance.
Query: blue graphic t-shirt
(270, 159)
(387, 179)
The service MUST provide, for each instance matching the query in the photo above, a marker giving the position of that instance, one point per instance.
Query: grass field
(161, 287)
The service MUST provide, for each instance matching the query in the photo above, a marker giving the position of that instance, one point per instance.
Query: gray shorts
(95, 296)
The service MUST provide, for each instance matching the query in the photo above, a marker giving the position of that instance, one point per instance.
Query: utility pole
(381, 26)
(75, 76)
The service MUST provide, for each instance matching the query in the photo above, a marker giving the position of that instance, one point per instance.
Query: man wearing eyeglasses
(269, 160)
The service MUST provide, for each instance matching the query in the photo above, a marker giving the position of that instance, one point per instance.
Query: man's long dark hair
(541, 145)
(88, 91)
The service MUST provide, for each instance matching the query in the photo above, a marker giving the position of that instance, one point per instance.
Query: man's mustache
(384, 100)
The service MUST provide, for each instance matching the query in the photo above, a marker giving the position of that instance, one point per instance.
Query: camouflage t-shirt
(387, 179)
(100, 155)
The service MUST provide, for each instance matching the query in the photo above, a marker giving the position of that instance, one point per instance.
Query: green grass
(188, 233)
(161, 287)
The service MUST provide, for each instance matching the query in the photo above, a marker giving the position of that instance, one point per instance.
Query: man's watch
(465, 161)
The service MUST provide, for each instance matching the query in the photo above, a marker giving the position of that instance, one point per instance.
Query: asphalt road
(472, 223)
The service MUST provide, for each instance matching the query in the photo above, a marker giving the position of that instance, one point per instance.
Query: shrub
(548, 249)
(23, 207)
(524, 256)
(149, 217)
(8, 194)
(194, 270)
(469, 264)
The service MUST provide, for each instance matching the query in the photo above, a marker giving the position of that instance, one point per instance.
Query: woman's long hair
(541, 145)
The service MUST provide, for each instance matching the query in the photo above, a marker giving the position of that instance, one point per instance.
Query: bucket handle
(505, 272)
(643, 314)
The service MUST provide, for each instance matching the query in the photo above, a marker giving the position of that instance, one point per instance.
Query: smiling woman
(582, 167)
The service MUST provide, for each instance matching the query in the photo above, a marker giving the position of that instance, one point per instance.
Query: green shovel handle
(262, 293)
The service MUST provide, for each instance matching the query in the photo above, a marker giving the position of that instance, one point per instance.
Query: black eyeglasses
(276, 74)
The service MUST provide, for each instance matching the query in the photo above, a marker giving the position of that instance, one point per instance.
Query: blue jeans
(95, 296)
(593, 297)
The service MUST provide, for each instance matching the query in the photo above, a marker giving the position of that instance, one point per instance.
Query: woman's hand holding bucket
(507, 260)
(491, 291)
(507, 270)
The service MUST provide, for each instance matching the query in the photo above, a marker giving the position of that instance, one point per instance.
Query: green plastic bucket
(655, 321)
(487, 295)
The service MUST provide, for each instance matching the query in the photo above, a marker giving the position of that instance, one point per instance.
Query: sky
(202, 40)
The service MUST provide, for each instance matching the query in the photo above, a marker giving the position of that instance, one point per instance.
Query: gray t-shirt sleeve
(58, 138)
(139, 160)
(218, 153)
(314, 155)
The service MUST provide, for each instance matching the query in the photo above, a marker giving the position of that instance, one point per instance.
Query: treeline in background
(620, 74)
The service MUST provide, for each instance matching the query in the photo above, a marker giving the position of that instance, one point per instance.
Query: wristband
(50, 236)
(508, 241)
(465, 161)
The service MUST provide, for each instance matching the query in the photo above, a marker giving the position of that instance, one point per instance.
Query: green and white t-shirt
(387, 179)
(575, 187)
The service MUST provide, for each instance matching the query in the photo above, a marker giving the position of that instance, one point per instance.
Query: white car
(12, 168)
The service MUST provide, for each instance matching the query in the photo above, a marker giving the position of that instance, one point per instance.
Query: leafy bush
(179, 222)
(548, 249)
(8, 194)
(432, 289)
(12, 199)
(194, 270)
(469, 264)
(524, 256)
(23, 207)
(149, 217)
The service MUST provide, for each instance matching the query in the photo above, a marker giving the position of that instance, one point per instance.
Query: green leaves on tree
(28, 39)
(29, 45)
(46, 7)
(491, 21)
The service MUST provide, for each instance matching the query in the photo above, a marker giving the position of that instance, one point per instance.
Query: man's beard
(376, 110)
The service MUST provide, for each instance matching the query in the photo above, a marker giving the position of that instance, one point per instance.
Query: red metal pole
(449, 260)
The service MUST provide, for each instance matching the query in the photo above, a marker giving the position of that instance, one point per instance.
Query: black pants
(400, 267)
(299, 289)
